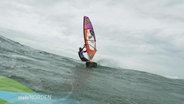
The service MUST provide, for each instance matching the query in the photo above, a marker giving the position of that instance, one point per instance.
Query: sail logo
(87, 21)
(92, 32)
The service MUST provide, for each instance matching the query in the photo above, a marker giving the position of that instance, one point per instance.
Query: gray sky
(137, 34)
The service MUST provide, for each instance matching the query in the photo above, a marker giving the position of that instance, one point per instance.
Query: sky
(144, 35)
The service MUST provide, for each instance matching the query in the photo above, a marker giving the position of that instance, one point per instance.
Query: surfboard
(90, 64)
(90, 41)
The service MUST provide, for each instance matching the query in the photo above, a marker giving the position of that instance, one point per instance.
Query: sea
(59, 79)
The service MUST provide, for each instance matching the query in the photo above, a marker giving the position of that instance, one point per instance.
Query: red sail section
(89, 38)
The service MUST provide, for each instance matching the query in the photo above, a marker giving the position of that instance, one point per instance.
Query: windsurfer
(80, 52)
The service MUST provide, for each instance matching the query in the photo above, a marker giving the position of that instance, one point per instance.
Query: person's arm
(84, 46)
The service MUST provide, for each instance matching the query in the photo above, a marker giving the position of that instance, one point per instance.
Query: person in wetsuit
(81, 54)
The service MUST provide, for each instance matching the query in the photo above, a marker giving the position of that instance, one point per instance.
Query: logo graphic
(87, 21)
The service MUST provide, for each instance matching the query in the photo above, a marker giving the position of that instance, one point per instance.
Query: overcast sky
(145, 35)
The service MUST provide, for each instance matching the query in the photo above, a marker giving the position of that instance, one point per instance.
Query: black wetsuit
(82, 56)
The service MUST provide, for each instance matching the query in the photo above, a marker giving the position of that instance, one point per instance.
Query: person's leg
(84, 59)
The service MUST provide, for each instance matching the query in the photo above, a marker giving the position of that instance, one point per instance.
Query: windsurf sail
(89, 38)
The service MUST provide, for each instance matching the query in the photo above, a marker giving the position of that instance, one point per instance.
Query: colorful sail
(89, 38)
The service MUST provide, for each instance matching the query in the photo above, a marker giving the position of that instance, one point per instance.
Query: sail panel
(89, 38)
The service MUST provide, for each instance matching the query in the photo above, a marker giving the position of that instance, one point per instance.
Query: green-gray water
(69, 82)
